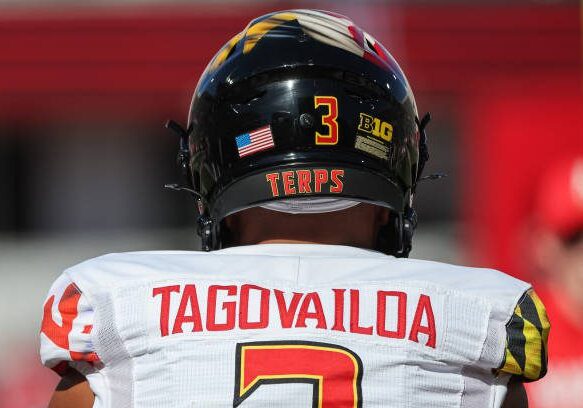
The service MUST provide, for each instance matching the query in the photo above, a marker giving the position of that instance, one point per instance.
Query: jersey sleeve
(66, 327)
(527, 334)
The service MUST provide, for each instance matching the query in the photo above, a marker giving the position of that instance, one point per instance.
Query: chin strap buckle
(408, 223)
(205, 231)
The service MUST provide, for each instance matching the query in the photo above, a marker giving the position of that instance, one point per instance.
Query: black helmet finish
(303, 103)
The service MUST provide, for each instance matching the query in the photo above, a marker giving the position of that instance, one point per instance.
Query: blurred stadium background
(85, 89)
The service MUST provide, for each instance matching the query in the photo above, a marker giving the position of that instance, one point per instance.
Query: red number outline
(328, 120)
(244, 388)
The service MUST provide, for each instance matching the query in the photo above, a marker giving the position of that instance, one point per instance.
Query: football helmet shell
(303, 103)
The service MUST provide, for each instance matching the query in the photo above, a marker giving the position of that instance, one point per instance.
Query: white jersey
(291, 326)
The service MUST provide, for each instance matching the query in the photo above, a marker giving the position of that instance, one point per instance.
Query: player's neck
(287, 241)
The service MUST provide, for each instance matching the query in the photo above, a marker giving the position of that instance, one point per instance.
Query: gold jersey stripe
(542, 313)
(532, 366)
(526, 339)
(511, 366)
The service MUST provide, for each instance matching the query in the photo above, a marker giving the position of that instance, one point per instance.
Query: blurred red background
(512, 77)
(507, 79)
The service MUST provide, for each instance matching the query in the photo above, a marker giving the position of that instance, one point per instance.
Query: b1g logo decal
(328, 120)
(334, 371)
(305, 181)
(374, 137)
(376, 127)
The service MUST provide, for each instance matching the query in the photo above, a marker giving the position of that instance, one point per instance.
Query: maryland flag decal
(330, 28)
(527, 334)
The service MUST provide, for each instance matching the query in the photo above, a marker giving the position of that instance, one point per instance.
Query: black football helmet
(303, 103)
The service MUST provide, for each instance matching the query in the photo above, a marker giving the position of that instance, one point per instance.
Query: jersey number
(328, 120)
(335, 372)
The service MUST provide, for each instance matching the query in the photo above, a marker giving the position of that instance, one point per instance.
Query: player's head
(558, 241)
(304, 105)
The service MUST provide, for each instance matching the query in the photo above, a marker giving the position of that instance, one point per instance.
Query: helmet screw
(306, 120)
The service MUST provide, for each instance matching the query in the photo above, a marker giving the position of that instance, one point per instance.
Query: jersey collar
(315, 250)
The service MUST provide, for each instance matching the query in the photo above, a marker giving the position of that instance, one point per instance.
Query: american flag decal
(253, 142)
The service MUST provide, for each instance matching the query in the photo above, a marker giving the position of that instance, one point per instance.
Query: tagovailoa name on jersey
(292, 311)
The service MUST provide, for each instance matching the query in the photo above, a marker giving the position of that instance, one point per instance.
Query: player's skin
(72, 391)
(357, 226)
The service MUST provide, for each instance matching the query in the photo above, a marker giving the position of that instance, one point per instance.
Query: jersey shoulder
(68, 316)
(527, 334)
(66, 327)
(516, 308)
(481, 281)
(112, 269)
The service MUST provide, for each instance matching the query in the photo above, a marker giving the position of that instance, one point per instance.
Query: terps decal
(329, 28)
(305, 181)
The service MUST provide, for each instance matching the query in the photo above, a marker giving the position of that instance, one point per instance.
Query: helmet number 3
(328, 120)
(334, 372)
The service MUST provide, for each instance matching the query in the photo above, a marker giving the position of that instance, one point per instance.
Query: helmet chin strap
(423, 148)
(207, 231)
(205, 224)
(408, 220)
